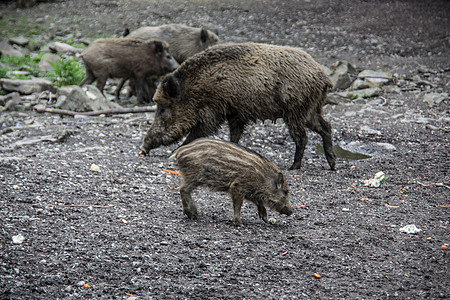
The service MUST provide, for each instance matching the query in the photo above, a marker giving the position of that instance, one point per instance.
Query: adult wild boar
(184, 41)
(227, 167)
(126, 58)
(240, 83)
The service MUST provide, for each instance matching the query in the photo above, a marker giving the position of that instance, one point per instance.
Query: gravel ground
(120, 233)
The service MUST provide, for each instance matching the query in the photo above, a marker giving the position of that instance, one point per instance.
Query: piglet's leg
(238, 199)
(189, 207)
(262, 212)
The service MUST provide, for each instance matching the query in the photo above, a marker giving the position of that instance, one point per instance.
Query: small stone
(411, 229)
(20, 41)
(81, 283)
(94, 168)
(18, 239)
(434, 98)
(272, 220)
(46, 61)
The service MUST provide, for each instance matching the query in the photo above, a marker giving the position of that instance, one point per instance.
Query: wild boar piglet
(227, 167)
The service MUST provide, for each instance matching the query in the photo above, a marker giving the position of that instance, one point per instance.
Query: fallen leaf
(172, 172)
(317, 275)
(429, 238)
(444, 247)
(86, 285)
(391, 206)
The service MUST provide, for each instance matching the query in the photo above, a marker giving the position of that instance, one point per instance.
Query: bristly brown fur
(227, 167)
(126, 58)
(242, 83)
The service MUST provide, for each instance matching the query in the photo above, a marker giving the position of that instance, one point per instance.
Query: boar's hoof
(237, 223)
(295, 166)
(190, 215)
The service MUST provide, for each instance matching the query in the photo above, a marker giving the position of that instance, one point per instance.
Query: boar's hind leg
(189, 207)
(238, 199)
(298, 134)
(322, 127)
(101, 81)
(90, 78)
(236, 129)
(119, 87)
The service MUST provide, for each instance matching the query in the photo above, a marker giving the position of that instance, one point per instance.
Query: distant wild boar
(240, 83)
(227, 167)
(126, 58)
(184, 42)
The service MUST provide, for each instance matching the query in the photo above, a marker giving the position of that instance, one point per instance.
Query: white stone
(34, 85)
(434, 98)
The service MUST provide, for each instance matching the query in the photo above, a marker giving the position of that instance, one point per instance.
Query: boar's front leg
(140, 90)
(262, 212)
(238, 199)
(236, 129)
(189, 207)
(198, 131)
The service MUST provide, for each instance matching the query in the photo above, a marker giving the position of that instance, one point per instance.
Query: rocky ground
(71, 230)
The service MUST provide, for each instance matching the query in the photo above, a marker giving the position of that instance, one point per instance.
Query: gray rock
(371, 79)
(343, 66)
(340, 74)
(64, 48)
(392, 89)
(7, 49)
(20, 41)
(434, 98)
(340, 81)
(34, 85)
(364, 93)
(359, 84)
(47, 58)
(374, 74)
(84, 99)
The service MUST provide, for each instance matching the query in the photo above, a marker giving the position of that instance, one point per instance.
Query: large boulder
(59, 47)
(87, 98)
(7, 49)
(46, 61)
(26, 87)
(340, 74)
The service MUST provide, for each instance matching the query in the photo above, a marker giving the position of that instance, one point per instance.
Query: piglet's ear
(204, 35)
(280, 181)
(159, 47)
(171, 87)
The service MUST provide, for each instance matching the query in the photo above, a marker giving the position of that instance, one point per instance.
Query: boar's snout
(170, 64)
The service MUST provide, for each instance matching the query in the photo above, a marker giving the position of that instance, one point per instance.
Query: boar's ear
(279, 181)
(159, 47)
(171, 86)
(204, 35)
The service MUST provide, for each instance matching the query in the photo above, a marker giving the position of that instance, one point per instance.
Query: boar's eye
(285, 192)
